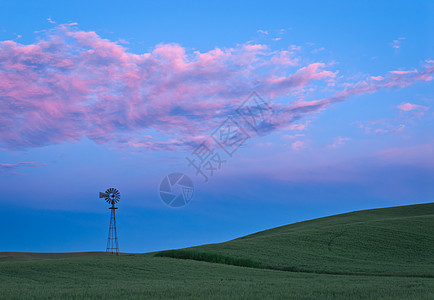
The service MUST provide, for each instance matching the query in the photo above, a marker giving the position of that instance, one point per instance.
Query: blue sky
(112, 93)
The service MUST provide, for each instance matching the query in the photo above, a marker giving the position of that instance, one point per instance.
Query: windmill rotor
(111, 196)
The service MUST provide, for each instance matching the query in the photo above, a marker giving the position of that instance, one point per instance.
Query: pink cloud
(278, 86)
(296, 127)
(297, 110)
(255, 47)
(284, 58)
(72, 84)
(403, 72)
(400, 128)
(410, 106)
(298, 145)
(340, 140)
(10, 167)
(397, 43)
(290, 137)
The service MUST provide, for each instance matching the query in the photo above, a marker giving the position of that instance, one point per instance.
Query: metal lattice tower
(112, 196)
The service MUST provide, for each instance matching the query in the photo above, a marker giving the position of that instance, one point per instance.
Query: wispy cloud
(298, 145)
(316, 50)
(399, 128)
(340, 140)
(383, 126)
(9, 167)
(397, 43)
(411, 106)
(400, 72)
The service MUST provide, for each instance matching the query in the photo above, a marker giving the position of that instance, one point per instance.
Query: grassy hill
(372, 254)
(390, 241)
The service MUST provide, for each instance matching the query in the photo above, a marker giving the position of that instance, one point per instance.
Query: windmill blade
(111, 195)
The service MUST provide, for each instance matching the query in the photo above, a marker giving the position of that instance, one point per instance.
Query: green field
(373, 254)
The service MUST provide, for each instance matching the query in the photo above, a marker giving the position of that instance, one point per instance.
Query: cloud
(290, 137)
(316, 50)
(51, 21)
(410, 106)
(296, 127)
(403, 72)
(400, 128)
(384, 126)
(72, 84)
(9, 167)
(397, 43)
(340, 140)
(298, 145)
(263, 31)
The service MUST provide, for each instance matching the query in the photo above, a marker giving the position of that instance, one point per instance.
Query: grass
(374, 254)
(25, 256)
(209, 257)
(136, 276)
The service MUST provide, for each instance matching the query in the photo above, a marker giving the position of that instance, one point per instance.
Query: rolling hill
(395, 241)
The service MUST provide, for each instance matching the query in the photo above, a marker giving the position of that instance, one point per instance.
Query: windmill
(112, 196)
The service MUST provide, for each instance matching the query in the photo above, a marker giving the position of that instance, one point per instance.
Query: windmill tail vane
(112, 196)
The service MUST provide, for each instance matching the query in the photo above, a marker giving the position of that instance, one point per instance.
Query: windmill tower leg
(112, 241)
